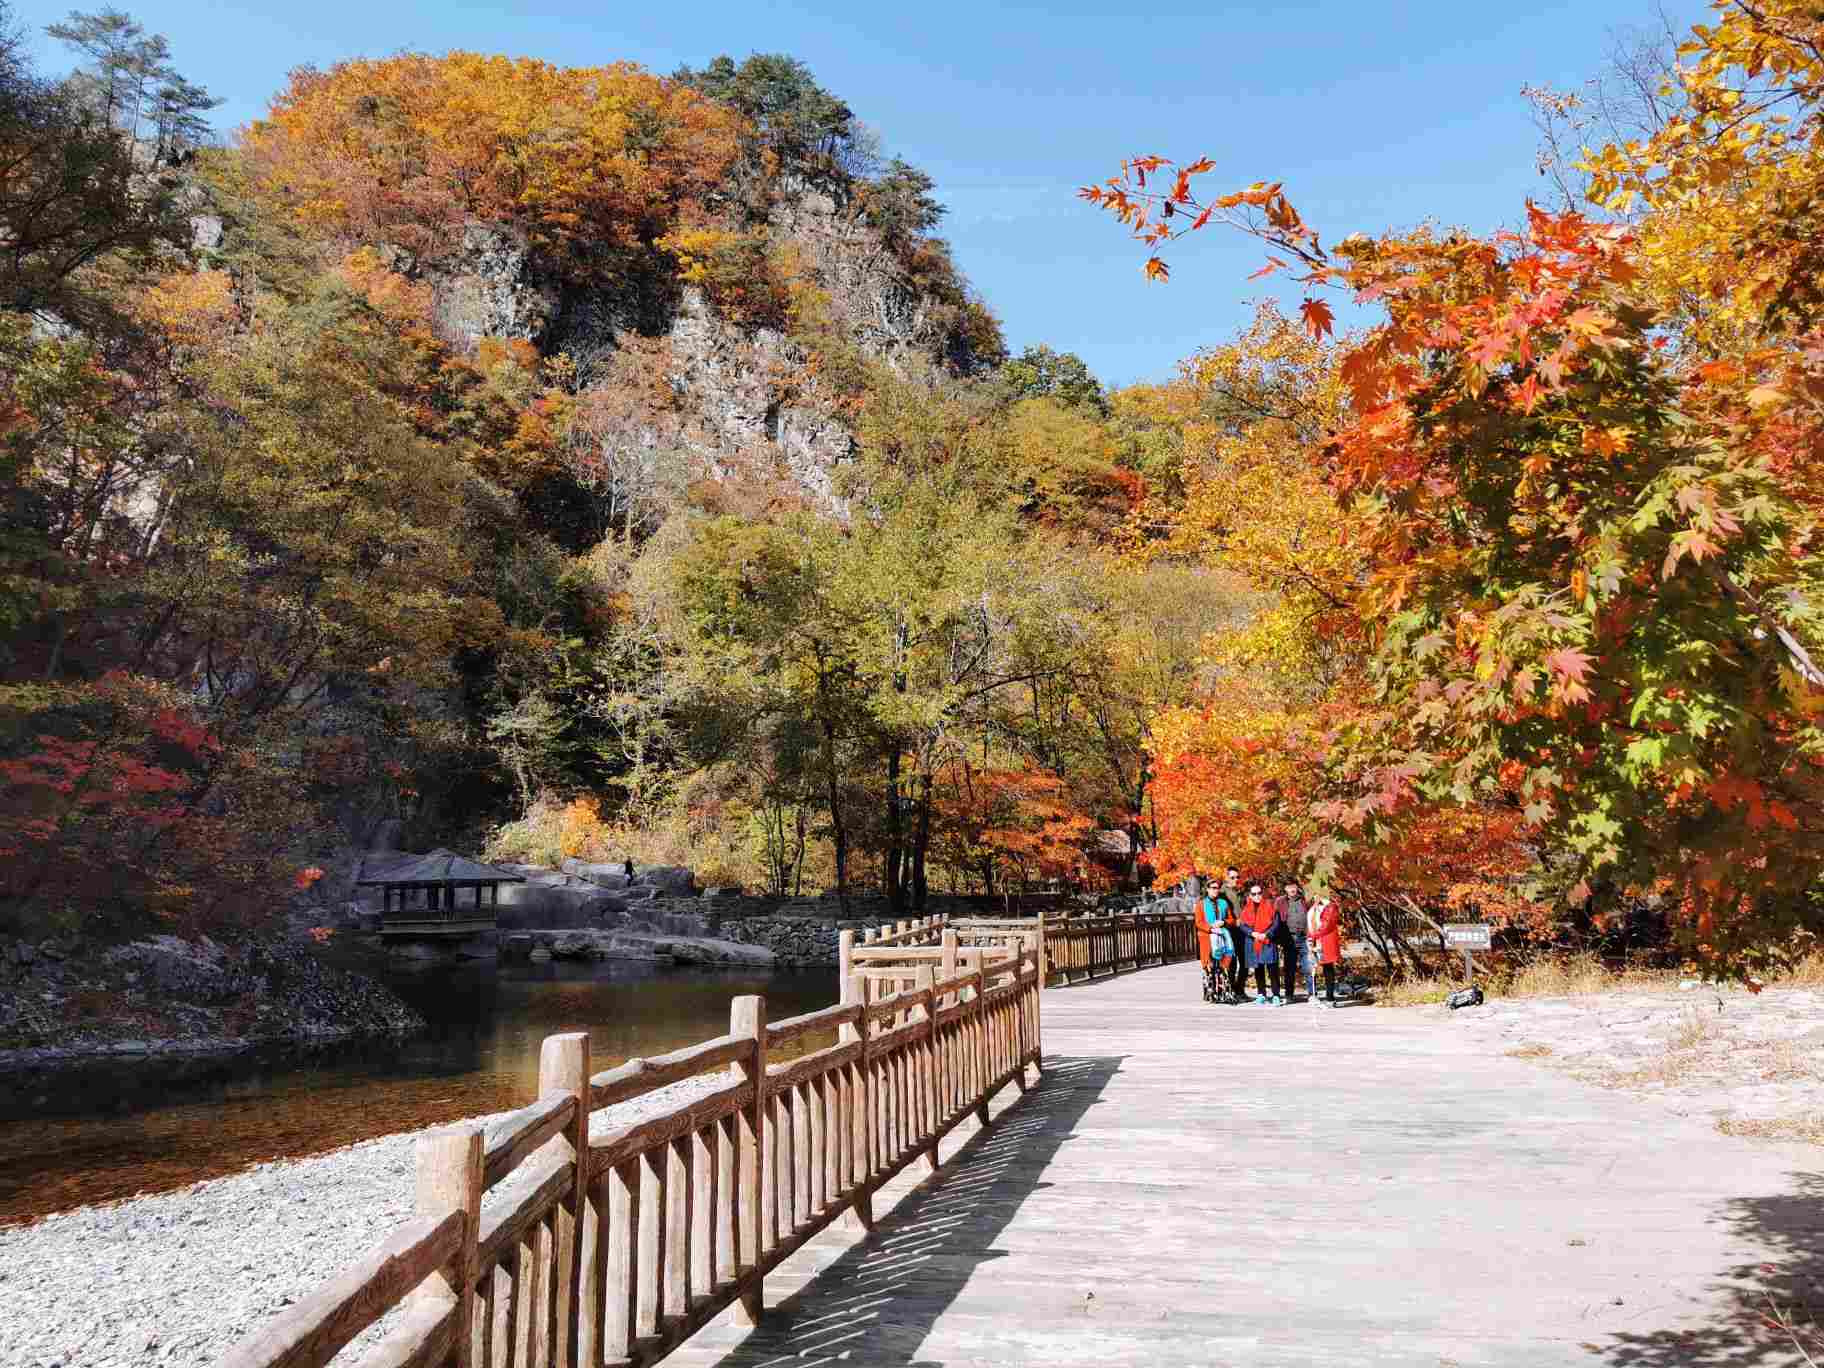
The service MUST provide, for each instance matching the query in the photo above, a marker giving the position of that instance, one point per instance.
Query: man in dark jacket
(1238, 971)
(1294, 947)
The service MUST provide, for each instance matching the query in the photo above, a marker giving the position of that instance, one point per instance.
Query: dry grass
(1532, 1050)
(1807, 1127)
(1807, 973)
(1694, 1030)
(1560, 976)
(1692, 1050)
(1571, 976)
(1415, 992)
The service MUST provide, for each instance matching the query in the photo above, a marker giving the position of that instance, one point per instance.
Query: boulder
(612, 876)
(699, 950)
(674, 881)
(575, 945)
(555, 906)
(730, 891)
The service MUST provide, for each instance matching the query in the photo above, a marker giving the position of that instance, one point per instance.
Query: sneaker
(1260, 1000)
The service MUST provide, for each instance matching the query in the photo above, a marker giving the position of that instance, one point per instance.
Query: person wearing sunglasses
(1261, 927)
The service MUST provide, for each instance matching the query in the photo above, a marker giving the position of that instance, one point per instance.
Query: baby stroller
(1216, 977)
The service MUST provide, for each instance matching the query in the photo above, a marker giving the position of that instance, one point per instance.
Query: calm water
(118, 1135)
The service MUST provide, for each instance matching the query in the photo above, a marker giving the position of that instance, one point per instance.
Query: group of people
(1281, 937)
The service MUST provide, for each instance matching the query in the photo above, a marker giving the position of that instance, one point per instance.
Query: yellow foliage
(1729, 185)
(1254, 415)
(405, 149)
(192, 307)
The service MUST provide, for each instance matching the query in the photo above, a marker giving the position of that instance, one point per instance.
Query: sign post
(1466, 937)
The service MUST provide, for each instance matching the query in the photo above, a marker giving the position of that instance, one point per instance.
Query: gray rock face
(554, 900)
(609, 876)
(734, 415)
(671, 881)
(205, 232)
(488, 288)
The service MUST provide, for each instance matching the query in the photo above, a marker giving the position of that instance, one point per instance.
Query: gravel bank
(177, 1278)
(1752, 1063)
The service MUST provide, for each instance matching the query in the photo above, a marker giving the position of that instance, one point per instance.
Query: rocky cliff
(748, 399)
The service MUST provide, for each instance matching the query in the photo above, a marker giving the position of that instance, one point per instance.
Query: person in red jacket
(1326, 933)
(1260, 926)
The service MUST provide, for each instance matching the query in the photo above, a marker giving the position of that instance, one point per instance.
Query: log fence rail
(609, 1244)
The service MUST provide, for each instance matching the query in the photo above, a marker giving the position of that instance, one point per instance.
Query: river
(115, 1136)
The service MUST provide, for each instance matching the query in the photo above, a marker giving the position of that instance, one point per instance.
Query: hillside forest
(591, 462)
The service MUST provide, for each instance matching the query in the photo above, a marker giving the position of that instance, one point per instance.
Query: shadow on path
(1773, 1310)
(878, 1300)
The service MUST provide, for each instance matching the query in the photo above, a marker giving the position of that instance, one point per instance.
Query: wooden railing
(1070, 949)
(613, 1244)
(1088, 947)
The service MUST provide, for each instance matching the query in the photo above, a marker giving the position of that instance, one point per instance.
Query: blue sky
(1373, 116)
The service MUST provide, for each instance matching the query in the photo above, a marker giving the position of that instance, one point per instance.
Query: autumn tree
(590, 163)
(1582, 588)
(1041, 373)
(793, 121)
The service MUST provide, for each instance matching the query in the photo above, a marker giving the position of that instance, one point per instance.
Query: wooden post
(563, 1066)
(1038, 989)
(978, 1047)
(747, 1018)
(947, 970)
(854, 990)
(925, 1071)
(845, 958)
(621, 1315)
(449, 1177)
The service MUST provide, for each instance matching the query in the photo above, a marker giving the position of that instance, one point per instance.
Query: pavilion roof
(438, 867)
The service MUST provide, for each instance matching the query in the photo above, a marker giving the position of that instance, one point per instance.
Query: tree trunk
(895, 854)
(921, 842)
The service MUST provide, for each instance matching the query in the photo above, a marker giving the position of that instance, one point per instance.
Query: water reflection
(124, 1131)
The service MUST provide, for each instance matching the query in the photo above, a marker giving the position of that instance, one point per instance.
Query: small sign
(1474, 936)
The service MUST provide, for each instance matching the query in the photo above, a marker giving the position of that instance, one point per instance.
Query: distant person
(1206, 925)
(1325, 934)
(1238, 969)
(1260, 925)
(627, 868)
(1235, 967)
(1216, 944)
(1294, 947)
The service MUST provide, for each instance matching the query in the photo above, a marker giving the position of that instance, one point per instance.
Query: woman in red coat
(1326, 933)
(1260, 927)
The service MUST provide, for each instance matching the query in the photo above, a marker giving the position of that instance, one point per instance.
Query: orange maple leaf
(1318, 316)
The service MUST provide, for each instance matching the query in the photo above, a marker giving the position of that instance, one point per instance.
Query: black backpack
(1464, 997)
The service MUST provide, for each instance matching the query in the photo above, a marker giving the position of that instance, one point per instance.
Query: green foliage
(130, 83)
(75, 200)
(1041, 373)
(802, 126)
(899, 203)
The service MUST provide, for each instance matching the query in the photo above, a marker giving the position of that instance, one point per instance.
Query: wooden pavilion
(424, 895)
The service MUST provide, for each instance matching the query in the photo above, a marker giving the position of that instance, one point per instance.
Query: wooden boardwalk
(1251, 1186)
